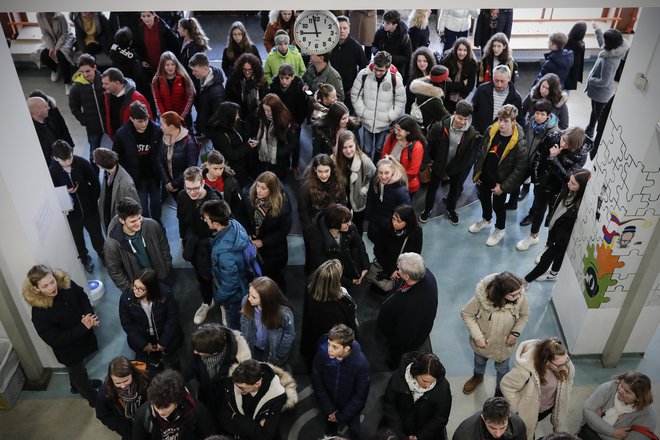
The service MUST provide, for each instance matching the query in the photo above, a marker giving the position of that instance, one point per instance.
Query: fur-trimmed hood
(281, 383)
(242, 350)
(37, 299)
(289, 383)
(423, 86)
(619, 52)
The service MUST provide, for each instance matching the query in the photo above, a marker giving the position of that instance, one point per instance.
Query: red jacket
(128, 97)
(411, 159)
(179, 98)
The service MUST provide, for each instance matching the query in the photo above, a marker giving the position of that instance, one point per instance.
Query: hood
(563, 100)
(233, 238)
(79, 78)
(277, 53)
(465, 128)
(482, 297)
(423, 86)
(272, 16)
(402, 28)
(39, 300)
(619, 52)
(242, 349)
(525, 354)
(217, 77)
(182, 134)
(535, 93)
(289, 384)
(553, 120)
(126, 52)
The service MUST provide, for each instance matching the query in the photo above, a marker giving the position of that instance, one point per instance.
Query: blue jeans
(500, 367)
(233, 311)
(372, 144)
(150, 198)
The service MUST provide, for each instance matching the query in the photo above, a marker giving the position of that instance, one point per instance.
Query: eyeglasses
(561, 365)
(194, 189)
(139, 289)
(380, 70)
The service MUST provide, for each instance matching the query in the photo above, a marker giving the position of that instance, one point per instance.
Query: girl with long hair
(321, 185)
(462, 65)
(495, 317)
(172, 88)
(279, 19)
(193, 40)
(421, 62)
(149, 315)
(406, 143)
(122, 393)
(267, 322)
(418, 28)
(275, 138)
(327, 303)
(540, 383)
(388, 190)
(238, 43)
(177, 152)
(576, 44)
(357, 170)
(229, 138)
(497, 49)
(247, 86)
(561, 226)
(548, 87)
(326, 130)
(268, 222)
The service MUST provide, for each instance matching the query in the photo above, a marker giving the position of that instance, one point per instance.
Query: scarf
(398, 149)
(261, 209)
(538, 128)
(415, 388)
(619, 409)
(130, 399)
(213, 362)
(267, 143)
(249, 94)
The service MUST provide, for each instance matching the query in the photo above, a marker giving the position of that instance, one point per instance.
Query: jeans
(150, 198)
(490, 202)
(94, 140)
(233, 311)
(80, 381)
(372, 144)
(500, 367)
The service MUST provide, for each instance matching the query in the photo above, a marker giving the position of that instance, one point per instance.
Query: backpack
(393, 76)
(252, 262)
(416, 110)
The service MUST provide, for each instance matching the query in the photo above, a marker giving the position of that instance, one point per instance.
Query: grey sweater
(600, 84)
(603, 398)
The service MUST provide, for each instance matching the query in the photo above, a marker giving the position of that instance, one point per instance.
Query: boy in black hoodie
(392, 37)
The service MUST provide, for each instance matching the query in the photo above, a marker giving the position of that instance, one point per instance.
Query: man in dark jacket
(406, 316)
(341, 380)
(211, 93)
(172, 412)
(490, 97)
(494, 421)
(452, 148)
(195, 234)
(84, 189)
(254, 399)
(392, 37)
(119, 93)
(137, 144)
(134, 243)
(49, 125)
(499, 170)
(86, 101)
(348, 58)
(559, 60)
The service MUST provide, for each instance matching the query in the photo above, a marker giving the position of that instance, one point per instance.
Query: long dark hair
(554, 84)
(282, 119)
(149, 278)
(577, 32)
(407, 214)
(501, 285)
(408, 123)
(332, 119)
(316, 191)
(225, 116)
(257, 69)
(122, 367)
(414, 70)
(581, 176)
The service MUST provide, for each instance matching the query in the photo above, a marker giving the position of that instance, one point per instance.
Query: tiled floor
(457, 258)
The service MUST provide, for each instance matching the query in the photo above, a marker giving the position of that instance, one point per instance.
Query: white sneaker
(537, 260)
(495, 237)
(478, 226)
(526, 242)
(550, 276)
(55, 76)
(200, 314)
(67, 89)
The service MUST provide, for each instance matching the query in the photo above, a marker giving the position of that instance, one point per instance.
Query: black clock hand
(315, 28)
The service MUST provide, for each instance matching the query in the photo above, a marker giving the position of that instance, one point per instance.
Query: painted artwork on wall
(619, 211)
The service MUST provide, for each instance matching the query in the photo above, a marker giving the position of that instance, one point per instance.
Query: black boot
(524, 191)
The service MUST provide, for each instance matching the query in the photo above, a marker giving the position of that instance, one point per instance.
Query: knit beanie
(282, 36)
(613, 39)
(439, 75)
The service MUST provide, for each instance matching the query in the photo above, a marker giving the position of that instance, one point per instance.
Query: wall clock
(316, 32)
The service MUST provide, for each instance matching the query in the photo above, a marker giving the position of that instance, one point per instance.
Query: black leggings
(554, 256)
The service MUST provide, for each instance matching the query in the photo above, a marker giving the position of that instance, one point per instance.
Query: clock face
(316, 32)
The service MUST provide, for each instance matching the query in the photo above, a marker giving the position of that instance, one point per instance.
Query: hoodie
(228, 263)
(57, 319)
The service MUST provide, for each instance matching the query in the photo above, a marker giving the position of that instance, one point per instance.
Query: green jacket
(275, 59)
(513, 163)
(327, 76)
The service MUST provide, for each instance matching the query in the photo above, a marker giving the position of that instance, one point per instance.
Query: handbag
(425, 174)
(377, 275)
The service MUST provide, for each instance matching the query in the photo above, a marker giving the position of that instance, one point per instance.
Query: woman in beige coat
(540, 383)
(495, 317)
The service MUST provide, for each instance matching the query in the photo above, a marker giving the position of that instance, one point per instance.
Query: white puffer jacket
(456, 20)
(376, 104)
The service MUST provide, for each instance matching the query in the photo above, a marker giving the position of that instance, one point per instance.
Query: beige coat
(484, 320)
(363, 25)
(522, 389)
(56, 36)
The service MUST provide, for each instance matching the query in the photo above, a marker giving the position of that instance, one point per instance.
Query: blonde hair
(325, 281)
(397, 168)
(419, 18)
(276, 196)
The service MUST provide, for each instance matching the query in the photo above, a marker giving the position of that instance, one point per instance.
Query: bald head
(38, 108)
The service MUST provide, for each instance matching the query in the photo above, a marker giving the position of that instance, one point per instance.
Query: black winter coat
(468, 72)
(273, 233)
(419, 37)
(483, 31)
(187, 52)
(473, 428)
(552, 173)
(426, 418)
(438, 149)
(168, 39)
(234, 147)
(558, 62)
(86, 102)
(397, 43)
(208, 100)
(294, 97)
(165, 315)
(57, 320)
(85, 199)
(388, 245)
(577, 69)
(378, 211)
(191, 223)
(248, 111)
(125, 145)
(111, 412)
(350, 250)
(129, 62)
(512, 167)
(348, 59)
(482, 103)
(52, 129)
(308, 210)
(195, 422)
(228, 62)
(560, 233)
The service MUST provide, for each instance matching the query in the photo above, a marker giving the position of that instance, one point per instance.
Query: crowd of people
(386, 116)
